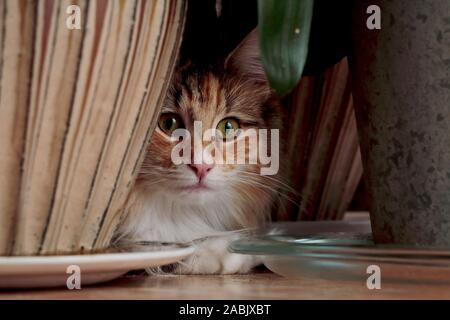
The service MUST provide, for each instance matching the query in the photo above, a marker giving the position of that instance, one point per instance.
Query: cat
(186, 202)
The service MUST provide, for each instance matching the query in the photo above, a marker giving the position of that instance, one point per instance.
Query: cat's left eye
(228, 127)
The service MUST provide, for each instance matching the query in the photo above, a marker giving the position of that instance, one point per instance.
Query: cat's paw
(213, 257)
(229, 263)
(238, 263)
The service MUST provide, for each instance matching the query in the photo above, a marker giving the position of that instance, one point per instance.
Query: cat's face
(236, 97)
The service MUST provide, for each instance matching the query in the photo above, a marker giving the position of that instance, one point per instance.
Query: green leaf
(283, 33)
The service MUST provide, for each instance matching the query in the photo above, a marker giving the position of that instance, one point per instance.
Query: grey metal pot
(401, 83)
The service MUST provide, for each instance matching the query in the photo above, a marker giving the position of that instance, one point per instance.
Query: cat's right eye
(169, 122)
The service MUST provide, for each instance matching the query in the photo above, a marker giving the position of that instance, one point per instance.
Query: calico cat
(182, 203)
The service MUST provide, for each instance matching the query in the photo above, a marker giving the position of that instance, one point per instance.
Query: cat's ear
(245, 59)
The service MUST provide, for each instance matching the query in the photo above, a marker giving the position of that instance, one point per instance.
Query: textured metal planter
(401, 83)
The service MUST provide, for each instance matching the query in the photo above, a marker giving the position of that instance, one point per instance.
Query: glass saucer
(341, 250)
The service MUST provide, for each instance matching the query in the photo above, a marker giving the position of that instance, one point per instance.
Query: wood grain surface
(261, 285)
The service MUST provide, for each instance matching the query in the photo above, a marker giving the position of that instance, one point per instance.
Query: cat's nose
(201, 170)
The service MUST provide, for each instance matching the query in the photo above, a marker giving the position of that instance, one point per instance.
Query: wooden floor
(259, 285)
(263, 285)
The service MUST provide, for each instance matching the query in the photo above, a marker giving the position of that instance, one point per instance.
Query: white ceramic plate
(51, 271)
